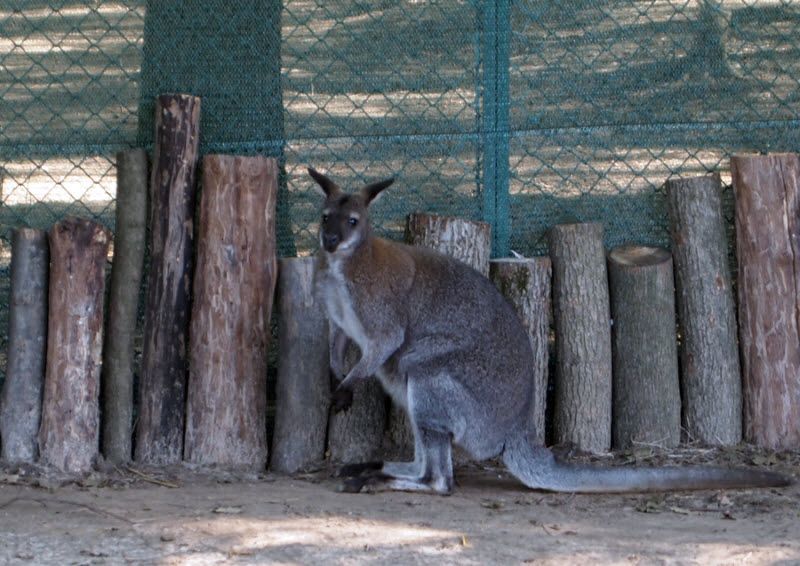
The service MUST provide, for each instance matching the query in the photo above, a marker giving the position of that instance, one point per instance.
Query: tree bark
(302, 398)
(465, 240)
(646, 390)
(526, 283)
(710, 375)
(767, 190)
(123, 303)
(234, 285)
(162, 387)
(69, 437)
(582, 412)
(21, 402)
(357, 434)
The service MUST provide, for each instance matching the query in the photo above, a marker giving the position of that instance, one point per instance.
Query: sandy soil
(183, 516)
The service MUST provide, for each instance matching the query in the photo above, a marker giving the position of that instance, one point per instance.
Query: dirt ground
(185, 516)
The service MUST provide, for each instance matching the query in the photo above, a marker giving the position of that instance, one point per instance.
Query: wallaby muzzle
(330, 242)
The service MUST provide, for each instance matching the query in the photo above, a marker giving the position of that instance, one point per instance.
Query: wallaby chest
(339, 300)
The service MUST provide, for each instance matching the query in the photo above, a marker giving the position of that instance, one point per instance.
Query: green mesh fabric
(524, 114)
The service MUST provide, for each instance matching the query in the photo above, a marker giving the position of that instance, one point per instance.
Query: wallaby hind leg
(434, 474)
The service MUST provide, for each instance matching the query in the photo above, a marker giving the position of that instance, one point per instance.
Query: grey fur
(450, 350)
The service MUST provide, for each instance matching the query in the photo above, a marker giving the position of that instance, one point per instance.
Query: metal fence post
(494, 121)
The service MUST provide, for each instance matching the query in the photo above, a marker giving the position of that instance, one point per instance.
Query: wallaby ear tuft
(329, 188)
(371, 191)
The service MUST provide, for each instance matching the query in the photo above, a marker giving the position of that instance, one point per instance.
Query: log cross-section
(582, 412)
(647, 399)
(302, 396)
(123, 304)
(234, 284)
(162, 387)
(21, 401)
(709, 357)
(69, 436)
(767, 190)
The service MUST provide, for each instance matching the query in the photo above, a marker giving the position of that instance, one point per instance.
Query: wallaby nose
(330, 241)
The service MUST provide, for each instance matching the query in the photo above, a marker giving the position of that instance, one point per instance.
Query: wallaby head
(345, 219)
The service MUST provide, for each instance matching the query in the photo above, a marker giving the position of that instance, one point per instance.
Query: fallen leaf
(227, 510)
(492, 504)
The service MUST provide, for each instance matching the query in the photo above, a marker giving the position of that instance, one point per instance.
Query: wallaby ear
(329, 188)
(373, 190)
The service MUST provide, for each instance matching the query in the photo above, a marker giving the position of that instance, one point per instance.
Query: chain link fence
(522, 113)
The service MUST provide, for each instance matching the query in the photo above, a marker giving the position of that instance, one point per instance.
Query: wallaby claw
(341, 399)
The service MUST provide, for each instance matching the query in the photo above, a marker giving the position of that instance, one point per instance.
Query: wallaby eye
(324, 218)
(353, 221)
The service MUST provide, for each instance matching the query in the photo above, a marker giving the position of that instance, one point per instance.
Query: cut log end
(639, 256)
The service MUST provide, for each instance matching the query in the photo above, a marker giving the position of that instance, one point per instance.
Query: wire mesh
(522, 113)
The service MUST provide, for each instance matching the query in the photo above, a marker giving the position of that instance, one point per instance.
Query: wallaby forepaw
(341, 399)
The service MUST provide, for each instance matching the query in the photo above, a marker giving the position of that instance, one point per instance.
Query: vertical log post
(21, 401)
(767, 190)
(69, 437)
(646, 392)
(583, 337)
(302, 397)
(356, 435)
(710, 376)
(234, 285)
(526, 283)
(465, 240)
(162, 387)
(123, 302)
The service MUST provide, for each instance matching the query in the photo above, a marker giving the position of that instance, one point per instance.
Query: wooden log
(526, 283)
(162, 385)
(709, 359)
(465, 240)
(302, 396)
(123, 303)
(357, 434)
(21, 401)
(234, 285)
(69, 436)
(767, 190)
(582, 411)
(646, 389)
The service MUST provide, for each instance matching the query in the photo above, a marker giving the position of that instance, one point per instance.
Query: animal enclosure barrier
(521, 115)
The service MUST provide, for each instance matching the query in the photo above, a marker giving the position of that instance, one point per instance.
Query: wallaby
(450, 350)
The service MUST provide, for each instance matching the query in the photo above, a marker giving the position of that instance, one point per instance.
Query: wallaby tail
(536, 467)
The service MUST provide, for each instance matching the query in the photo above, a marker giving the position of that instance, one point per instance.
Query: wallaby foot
(383, 482)
(430, 472)
(354, 470)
